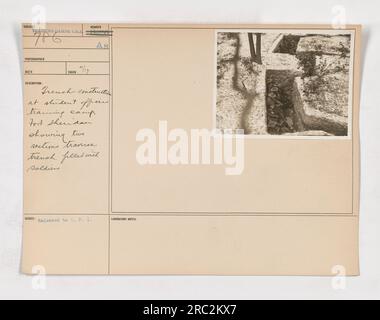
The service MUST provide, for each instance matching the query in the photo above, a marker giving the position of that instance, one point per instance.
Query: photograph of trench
(284, 84)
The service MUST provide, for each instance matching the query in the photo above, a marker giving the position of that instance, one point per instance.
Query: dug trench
(281, 115)
(285, 104)
(285, 113)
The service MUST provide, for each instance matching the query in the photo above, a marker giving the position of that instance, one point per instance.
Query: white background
(14, 285)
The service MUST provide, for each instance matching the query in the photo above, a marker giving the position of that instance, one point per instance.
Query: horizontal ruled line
(68, 61)
(79, 36)
(64, 74)
(35, 48)
(335, 215)
(232, 213)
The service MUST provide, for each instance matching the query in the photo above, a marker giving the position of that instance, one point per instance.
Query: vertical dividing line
(352, 58)
(110, 147)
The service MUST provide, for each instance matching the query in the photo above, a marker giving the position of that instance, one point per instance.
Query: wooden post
(255, 53)
(258, 47)
(252, 46)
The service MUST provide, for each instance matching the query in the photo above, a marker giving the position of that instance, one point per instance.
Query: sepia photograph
(284, 83)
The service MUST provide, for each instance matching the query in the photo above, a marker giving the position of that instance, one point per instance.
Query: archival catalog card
(191, 149)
